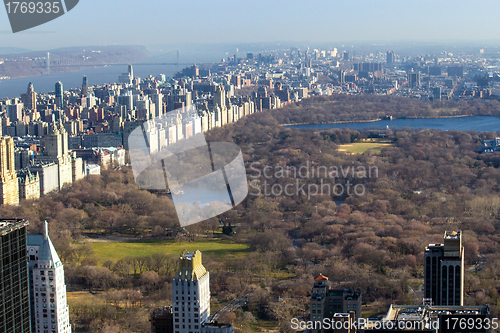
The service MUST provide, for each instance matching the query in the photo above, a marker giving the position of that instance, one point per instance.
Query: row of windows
(189, 314)
(184, 326)
(184, 320)
(189, 298)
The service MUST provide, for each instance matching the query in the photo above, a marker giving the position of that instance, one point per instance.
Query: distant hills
(10, 50)
(72, 59)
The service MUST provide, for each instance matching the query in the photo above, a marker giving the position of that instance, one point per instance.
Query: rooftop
(9, 225)
(47, 252)
(321, 277)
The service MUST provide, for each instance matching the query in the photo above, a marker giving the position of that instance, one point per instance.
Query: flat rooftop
(9, 225)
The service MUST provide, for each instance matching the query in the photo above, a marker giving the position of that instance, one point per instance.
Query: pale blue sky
(149, 22)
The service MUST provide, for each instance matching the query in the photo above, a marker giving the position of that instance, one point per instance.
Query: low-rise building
(162, 320)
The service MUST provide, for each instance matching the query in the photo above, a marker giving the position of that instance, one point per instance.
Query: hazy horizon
(158, 23)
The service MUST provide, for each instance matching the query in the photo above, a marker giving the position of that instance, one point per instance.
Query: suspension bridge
(56, 61)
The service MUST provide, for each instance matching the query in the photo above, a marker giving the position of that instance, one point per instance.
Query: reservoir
(475, 123)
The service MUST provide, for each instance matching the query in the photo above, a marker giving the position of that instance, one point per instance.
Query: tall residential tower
(49, 308)
(190, 294)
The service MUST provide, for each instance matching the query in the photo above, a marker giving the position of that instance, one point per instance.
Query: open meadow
(119, 250)
(360, 147)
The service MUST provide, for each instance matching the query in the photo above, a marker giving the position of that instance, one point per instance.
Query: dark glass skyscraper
(14, 286)
(59, 95)
(85, 84)
(444, 271)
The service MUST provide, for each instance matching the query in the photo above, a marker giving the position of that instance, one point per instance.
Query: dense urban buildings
(444, 271)
(83, 119)
(14, 278)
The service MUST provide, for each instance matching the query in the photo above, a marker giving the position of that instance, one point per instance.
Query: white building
(93, 169)
(49, 308)
(190, 294)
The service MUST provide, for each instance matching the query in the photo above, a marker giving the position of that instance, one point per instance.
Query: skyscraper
(29, 99)
(56, 150)
(49, 308)
(84, 86)
(436, 93)
(390, 57)
(9, 187)
(190, 293)
(220, 96)
(14, 285)
(15, 112)
(59, 95)
(413, 79)
(444, 271)
(131, 72)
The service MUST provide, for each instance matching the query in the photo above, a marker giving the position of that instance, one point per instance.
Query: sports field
(360, 147)
(119, 250)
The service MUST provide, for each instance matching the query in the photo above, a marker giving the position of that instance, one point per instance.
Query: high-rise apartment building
(190, 294)
(56, 151)
(413, 79)
(15, 112)
(444, 271)
(9, 187)
(390, 57)
(436, 93)
(14, 283)
(29, 99)
(49, 308)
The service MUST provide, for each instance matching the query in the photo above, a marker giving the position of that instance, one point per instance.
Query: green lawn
(119, 250)
(361, 147)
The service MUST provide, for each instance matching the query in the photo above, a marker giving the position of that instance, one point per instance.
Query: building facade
(14, 283)
(9, 187)
(190, 294)
(327, 302)
(49, 308)
(162, 320)
(29, 185)
(444, 271)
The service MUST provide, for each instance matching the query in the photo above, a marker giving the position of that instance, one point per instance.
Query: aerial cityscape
(249, 167)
